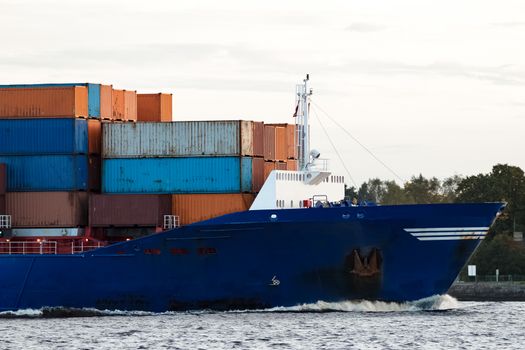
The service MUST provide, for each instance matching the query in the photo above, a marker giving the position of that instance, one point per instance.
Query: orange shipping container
(268, 167)
(47, 209)
(117, 103)
(197, 207)
(281, 146)
(290, 141)
(48, 102)
(281, 166)
(106, 102)
(154, 107)
(94, 136)
(291, 164)
(130, 105)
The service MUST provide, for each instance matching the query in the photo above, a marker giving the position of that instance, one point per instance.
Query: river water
(440, 322)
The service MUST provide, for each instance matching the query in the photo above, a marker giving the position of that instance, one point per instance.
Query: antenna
(302, 130)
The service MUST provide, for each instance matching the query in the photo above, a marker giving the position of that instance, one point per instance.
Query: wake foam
(433, 303)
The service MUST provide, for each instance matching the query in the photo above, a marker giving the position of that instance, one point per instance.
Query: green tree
(421, 190)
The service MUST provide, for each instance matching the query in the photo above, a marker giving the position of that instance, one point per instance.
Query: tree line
(504, 183)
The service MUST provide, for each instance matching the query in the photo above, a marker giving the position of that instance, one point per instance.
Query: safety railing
(5, 221)
(28, 247)
(84, 247)
(171, 222)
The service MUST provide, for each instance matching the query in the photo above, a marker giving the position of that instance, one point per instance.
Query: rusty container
(258, 139)
(47, 209)
(269, 142)
(128, 210)
(268, 167)
(281, 166)
(257, 174)
(2, 204)
(291, 141)
(291, 164)
(44, 102)
(281, 146)
(197, 207)
(154, 107)
(94, 136)
(130, 105)
(117, 104)
(3, 178)
(106, 102)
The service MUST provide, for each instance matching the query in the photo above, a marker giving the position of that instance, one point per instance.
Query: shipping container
(268, 167)
(291, 164)
(280, 166)
(50, 172)
(291, 141)
(154, 107)
(117, 103)
(257, 174)
(258, 139)
(47, 209)
(269, 142)
(128, 210)
(197, 207)
(49, 136)
(281, 146)
(177, 175)
(93, 90)
(3, 178)
(48, 232)
(106, 102)
(51, 102)
(2, 204)
(177, 139)
(130, 105)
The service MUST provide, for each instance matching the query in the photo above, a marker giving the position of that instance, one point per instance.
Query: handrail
(45, 247)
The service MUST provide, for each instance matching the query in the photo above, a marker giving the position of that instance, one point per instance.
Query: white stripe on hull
(447, 233)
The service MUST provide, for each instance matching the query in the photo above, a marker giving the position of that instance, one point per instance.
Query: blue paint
(43, 136)
(177, 175)
(307, 250)
(93, 94)
(46, 173)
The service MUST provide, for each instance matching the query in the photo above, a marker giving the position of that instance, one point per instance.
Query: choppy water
(434, 323)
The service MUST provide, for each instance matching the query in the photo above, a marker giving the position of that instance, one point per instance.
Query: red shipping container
(106, 102)
(48, 102)
(258, 139)
(117, 104)
(47, 209)
(154, 107)
(3, 178)
(257, 174)
(269, 142)
(130, 105)
(128, 210)
(197, 207)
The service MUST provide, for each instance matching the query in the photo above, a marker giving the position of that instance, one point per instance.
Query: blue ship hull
(255, 260)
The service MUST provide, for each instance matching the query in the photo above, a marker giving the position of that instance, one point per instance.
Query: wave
(433, 303)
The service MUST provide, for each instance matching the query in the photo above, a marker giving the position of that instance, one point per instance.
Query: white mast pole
(306, 131)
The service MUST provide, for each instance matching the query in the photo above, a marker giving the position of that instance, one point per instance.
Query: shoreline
(488, 291)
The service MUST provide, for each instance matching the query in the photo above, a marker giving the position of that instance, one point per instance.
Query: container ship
(107, 203)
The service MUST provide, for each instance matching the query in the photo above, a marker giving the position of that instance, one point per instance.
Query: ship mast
(302, 97)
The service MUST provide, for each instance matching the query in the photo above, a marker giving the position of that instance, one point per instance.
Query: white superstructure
(311, 185)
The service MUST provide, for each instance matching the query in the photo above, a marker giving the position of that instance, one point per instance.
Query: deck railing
(47, 247)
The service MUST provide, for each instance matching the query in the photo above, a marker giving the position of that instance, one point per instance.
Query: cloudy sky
(431, 87)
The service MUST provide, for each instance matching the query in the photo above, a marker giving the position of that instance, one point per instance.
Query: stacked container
(280, 149)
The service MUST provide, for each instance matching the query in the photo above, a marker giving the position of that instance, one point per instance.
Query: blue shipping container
(93, 94)
(177, 175)
(43, 136)
(46, 173)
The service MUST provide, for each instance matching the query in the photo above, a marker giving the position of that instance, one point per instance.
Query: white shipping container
(177, 139)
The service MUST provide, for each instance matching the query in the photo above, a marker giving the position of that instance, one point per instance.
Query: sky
(429, 87)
